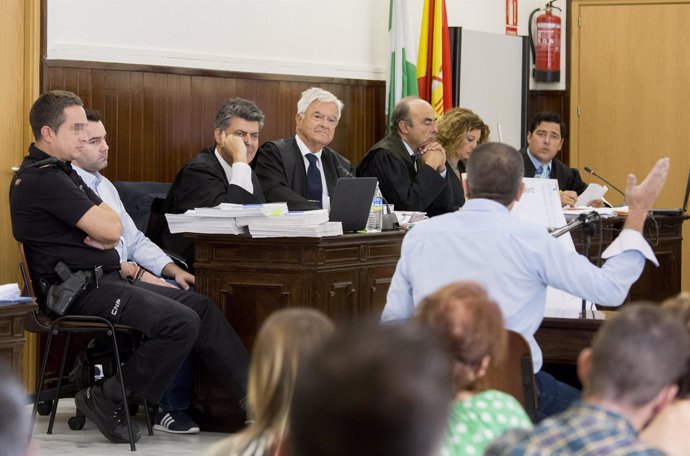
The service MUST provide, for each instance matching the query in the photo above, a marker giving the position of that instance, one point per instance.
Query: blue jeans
(553, 396)
(178, 394)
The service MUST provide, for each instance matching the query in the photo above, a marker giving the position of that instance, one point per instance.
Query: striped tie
(542, 172)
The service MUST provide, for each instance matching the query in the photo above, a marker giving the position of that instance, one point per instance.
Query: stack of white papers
(220, 219)
(10, 294)
(320, 230)
(192, 222)
(294, 218)
(243, 210)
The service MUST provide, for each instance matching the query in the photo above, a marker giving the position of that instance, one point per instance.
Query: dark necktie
(314, 186)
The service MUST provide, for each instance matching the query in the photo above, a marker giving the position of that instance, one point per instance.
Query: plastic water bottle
(375, 222)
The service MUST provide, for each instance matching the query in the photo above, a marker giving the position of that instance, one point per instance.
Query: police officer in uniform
(58, 218)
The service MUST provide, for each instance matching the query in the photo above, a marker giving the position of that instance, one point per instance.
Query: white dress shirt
(239, 174)
(133, 245)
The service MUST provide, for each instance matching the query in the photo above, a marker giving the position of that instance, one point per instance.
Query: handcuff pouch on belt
(60, 297)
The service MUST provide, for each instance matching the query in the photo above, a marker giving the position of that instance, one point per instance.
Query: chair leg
(41, 379)
(148, 417)
(65, 352)
(149, 424)
(113, 337)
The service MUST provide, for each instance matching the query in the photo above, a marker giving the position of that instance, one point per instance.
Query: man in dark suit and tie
(544, 140)
(302, 170)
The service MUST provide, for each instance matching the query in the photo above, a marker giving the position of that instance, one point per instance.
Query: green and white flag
(402, 70)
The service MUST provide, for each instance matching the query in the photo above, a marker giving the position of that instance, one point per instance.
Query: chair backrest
(155, 214)
(36, 321)
(514, 375)
(137, 198)
(26, 275)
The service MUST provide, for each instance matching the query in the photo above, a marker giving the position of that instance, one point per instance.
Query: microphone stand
(588, 232)
(586, 222)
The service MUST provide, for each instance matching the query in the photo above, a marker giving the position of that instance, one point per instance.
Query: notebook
(351, 202)
(680, 211)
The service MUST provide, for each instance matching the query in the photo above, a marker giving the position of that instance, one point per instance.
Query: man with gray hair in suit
(302, 170)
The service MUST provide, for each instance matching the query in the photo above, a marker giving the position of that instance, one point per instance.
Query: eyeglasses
(330, 120)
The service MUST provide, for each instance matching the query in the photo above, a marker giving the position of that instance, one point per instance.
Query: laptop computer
(680, 211)
(351, 202)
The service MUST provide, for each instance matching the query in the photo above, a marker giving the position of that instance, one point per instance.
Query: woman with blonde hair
(460, 130)
(471, 326)
(284, 338)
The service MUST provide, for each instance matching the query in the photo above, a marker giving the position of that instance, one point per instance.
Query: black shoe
(108, 415)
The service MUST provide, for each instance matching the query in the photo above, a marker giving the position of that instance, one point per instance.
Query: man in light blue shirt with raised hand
(516, 260)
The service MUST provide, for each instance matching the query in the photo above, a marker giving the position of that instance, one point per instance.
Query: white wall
(330, 38)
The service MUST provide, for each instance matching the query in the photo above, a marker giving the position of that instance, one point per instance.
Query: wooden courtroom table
(348, 277)
(12, 336)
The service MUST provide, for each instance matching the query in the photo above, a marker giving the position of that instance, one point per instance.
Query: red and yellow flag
(434, 76)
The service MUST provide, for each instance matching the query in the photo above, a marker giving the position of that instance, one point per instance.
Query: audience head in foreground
(629, 375)
(281, 344)
(668, 430)
(472, 329)
(15, 425)
(460, 131)
(372, 391)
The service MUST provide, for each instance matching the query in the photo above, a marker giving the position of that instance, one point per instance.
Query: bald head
(415, 121)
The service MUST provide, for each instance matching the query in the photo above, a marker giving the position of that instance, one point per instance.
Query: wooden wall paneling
(12, 124)
(556, 101)
(150, 129)
(143, 161)
(157, 118)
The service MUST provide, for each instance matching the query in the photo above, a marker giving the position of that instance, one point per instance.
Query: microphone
(591, 171)
(582, 219)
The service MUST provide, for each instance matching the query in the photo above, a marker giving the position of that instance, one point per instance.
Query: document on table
(541, 204)
(591, 193)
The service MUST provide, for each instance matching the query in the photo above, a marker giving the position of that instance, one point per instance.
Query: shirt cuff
(242, 176)
(630, 239)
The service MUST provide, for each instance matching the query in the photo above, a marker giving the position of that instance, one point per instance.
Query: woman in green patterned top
(472, 326)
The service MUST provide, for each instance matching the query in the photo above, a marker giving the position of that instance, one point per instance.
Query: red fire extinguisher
(546, 44)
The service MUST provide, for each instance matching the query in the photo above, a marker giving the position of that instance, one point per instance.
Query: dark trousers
(553, 396)
(174, 322)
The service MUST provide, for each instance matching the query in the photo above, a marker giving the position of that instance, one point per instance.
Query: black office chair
(39, 322)
(144, 202)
